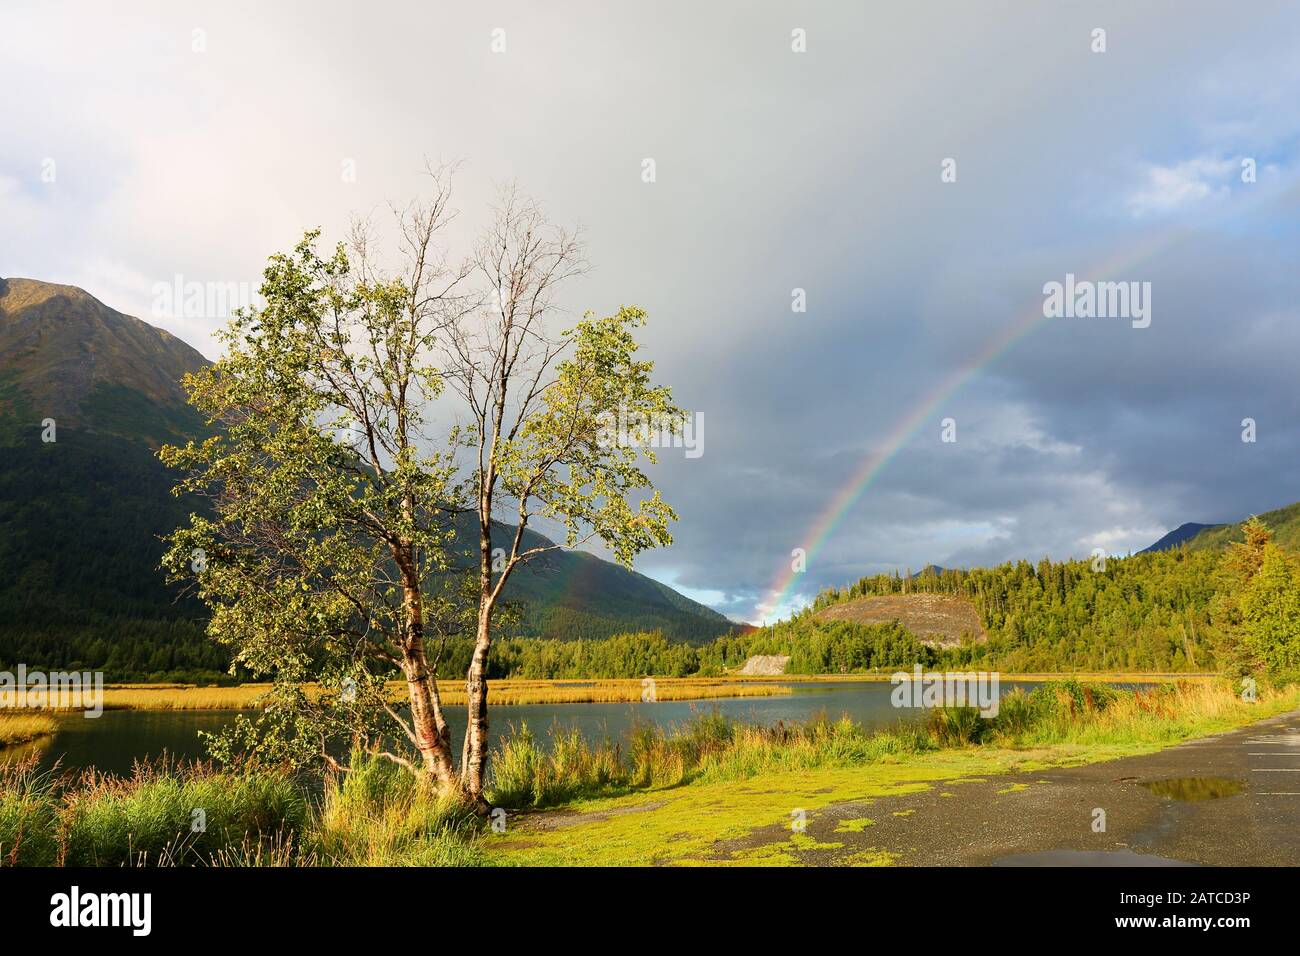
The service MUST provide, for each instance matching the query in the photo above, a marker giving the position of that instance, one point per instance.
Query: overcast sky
(194, 140)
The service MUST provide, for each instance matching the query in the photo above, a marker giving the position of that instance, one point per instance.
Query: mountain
(1184, 532)
(81, 517)
(1283, 522)
(73, 359)
(573, 594)
(928, 569)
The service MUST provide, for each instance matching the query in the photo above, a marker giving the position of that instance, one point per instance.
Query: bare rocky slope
(940, 619)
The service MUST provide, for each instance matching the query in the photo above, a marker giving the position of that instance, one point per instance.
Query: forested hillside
(82, 516)
(1150, 611)
(1284, 524)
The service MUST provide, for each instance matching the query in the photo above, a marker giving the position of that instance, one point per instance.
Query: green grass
(162, 815)
(378, 814)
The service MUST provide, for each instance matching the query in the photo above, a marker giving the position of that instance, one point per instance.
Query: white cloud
(1122, 541)
(1166, 189)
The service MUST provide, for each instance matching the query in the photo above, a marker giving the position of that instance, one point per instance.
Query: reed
(22, 728)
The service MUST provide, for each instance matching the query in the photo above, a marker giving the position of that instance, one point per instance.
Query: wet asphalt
(1228, 800)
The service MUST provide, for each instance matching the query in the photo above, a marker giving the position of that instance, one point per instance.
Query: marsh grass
(710, 747)
(28, 816)
(149, 818)
(379, 814)
(1072, 712)
(503, 692)
(22, 728)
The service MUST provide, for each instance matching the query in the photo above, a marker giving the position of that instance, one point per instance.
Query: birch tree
(335, 492)
(541, 403)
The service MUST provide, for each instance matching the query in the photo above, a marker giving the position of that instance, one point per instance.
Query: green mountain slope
(572, 594)
(1284, 523)
(1184, 532)
(81, 517)
(1150, 611)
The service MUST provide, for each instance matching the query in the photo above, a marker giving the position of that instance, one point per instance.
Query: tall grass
(709, 747)
(1076, 713)
(28, 816)
(377, 814)
(380, 814)
(165, 814)
(20, 728)
(174, 815)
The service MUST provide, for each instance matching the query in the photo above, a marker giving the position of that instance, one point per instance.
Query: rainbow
(829, 519)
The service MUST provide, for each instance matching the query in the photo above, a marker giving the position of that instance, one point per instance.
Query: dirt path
(1048, 817)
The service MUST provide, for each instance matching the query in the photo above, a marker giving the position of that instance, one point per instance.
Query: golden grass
(1103, 677)
(21, 728)
(500, 692)
(519, 691)
(1161, 716)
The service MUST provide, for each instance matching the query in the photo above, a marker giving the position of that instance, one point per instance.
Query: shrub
(957, 726)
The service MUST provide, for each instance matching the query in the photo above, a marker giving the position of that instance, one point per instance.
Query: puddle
(1195, 788)
(1087, 858)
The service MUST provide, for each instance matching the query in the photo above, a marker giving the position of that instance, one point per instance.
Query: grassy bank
(21, 728)
(651, 797)
(674, 800)
(1066, 714)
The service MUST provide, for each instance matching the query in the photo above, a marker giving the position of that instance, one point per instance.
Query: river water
(113, 741)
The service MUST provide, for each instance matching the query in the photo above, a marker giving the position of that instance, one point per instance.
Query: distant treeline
(814, 647)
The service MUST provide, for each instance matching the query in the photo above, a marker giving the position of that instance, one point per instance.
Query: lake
(114, 740)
